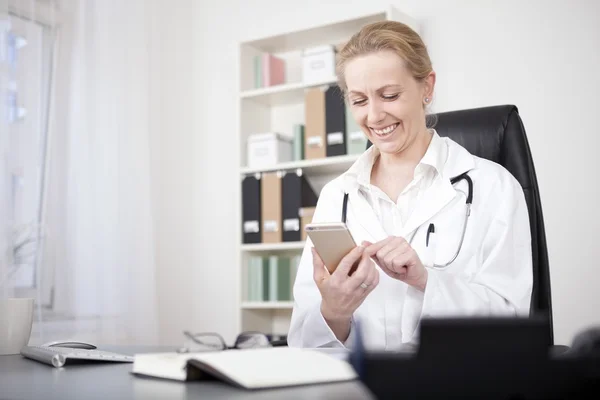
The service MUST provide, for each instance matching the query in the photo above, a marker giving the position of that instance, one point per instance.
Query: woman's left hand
(399, 260)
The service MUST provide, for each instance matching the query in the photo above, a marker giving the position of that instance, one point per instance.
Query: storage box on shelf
(268, 149)
(318, 63)
(288, 86)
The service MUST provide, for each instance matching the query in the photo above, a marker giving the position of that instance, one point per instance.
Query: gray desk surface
(21, 378)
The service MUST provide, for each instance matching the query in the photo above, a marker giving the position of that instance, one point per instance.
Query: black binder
(335, 122)
(296, 194)
(251, 215)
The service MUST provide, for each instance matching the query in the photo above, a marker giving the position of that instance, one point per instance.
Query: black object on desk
(491, 358)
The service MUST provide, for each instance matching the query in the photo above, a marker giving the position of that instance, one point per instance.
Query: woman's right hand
(341, 293)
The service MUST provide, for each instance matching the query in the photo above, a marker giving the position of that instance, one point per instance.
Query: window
(29, 56)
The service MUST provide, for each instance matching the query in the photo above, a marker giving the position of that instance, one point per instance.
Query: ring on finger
(364, 286)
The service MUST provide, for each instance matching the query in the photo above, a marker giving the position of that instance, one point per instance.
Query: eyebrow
(380, 89)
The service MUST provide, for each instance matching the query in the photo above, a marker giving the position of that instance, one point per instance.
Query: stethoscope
(431, 228)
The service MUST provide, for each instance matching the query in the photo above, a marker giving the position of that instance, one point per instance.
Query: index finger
(375, 247)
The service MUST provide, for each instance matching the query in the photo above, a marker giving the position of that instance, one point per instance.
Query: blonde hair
(386, 35)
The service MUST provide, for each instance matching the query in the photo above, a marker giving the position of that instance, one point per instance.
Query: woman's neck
(405, 161)
(393, 172)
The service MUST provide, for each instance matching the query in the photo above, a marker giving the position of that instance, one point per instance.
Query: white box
(318, 64)
(268, 149)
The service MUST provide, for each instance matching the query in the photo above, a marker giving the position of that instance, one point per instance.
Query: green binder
(273, 277)
(284, 290)
(298, 142)
(265, 279)
(356, 140)
(258, 72)
(255, 279)
(251, 280)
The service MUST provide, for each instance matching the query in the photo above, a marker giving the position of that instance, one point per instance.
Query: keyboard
(59, 356)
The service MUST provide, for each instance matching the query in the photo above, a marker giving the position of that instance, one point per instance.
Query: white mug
(16, 320)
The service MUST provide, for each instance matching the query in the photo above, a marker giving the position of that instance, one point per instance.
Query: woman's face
(386, 101)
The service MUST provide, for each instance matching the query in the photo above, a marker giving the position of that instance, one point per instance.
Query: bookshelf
(285, 94)
(279, 108)
(273, 247)
(323, 166)
(267, 305)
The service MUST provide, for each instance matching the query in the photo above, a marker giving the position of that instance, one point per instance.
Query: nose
(375, 112)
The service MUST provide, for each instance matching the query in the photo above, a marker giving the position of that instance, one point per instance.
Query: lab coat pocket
(445, 240)
(424, 249)
(429, 252)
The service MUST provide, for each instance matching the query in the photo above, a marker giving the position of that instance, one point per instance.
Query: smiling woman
(406, 181)
(388, 78)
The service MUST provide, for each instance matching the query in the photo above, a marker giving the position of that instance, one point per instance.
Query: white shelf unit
(273, 247)
(267, 305)
(288, 93)
(324, 166)
(277, 109)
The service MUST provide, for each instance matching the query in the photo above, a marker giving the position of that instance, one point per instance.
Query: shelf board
(267, 305)
(284, 246)
(327, 165)
(334, 31)
(284, 94)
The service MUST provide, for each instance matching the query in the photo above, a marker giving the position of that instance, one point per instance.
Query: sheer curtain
(98, 214)
(4, 143)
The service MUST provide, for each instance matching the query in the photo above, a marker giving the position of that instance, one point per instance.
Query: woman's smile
(384, 131)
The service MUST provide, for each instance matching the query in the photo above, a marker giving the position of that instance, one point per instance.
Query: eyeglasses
(209, 341)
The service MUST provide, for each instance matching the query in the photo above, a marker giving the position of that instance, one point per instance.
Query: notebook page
(273, 367)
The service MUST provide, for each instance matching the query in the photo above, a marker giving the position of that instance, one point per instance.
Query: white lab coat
(492, 275)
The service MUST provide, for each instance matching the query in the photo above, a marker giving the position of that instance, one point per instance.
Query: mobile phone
(332, 241)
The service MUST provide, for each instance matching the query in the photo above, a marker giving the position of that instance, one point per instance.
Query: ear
(429, 85)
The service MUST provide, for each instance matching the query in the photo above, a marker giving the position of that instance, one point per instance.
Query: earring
(426, 99)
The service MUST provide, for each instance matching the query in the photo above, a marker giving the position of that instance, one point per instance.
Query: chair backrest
(497, 134)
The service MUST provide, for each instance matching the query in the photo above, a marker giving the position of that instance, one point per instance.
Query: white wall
(540, 55)
(172, 162)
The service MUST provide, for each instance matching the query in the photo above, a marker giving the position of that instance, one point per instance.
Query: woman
(396, 189)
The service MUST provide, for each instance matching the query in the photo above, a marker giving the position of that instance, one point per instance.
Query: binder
(265, 278)
(271, 207)
(284, 287)
(356, 141)
(297, 194)
(258, 82)
(273, 277)
(254, 281)
(298, 142)
(273, 70)
(251, 209)
(335, 122)
(306, 216)
(314, 124)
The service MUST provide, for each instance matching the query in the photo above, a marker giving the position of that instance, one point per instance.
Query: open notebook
(250, 369)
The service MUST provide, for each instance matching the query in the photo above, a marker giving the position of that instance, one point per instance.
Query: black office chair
(497, 134)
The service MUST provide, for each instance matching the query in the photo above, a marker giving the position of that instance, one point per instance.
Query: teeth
(385, 131)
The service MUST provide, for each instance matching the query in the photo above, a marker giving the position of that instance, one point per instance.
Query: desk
(21, 378)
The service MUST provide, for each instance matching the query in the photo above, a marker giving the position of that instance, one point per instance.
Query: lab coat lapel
(360, 216)
(439, 194)
(361, 213)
